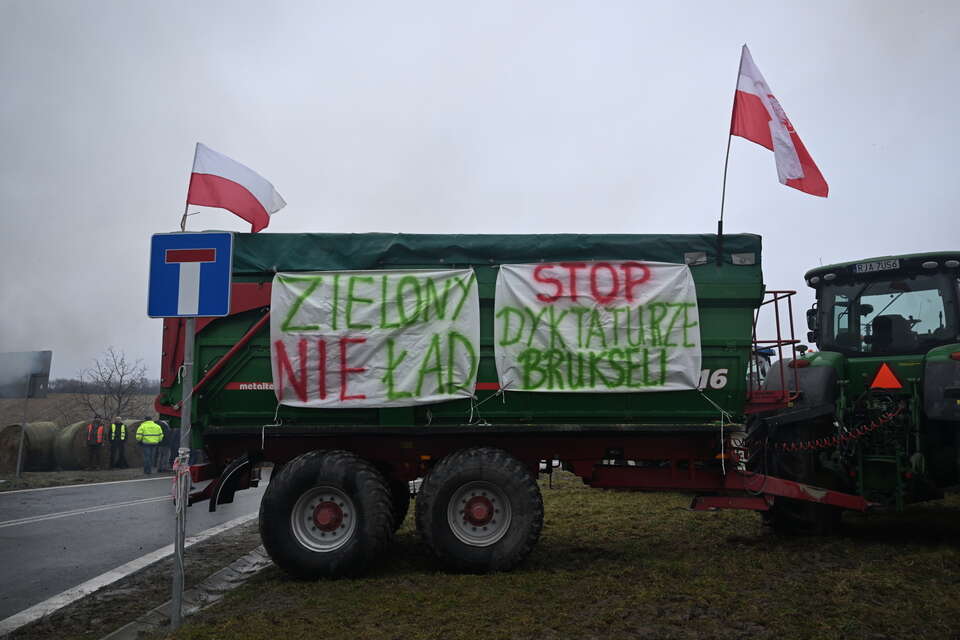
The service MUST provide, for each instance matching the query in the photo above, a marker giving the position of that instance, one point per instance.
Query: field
(620, 564)
(62, 408)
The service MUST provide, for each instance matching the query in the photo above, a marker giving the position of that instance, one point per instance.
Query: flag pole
(186, 205)
(726, 163)
(723, 198)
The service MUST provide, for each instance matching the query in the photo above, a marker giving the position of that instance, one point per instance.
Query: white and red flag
(218, 181)
(758, 117)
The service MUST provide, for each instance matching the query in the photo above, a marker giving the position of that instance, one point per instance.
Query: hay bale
(70, 447)
(133, 451)
(37, 446)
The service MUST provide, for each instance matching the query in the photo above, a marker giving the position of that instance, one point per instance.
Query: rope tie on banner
(475, 406)
(277, 422)
(724, 417)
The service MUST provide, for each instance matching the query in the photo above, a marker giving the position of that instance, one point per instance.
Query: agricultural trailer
(357, 363)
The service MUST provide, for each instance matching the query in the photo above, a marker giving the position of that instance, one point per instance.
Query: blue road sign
(190, 275)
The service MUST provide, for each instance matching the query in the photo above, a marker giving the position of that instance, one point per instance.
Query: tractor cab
(886, 306)
(888, 369)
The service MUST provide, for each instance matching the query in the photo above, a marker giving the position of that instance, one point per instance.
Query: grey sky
(493, 117)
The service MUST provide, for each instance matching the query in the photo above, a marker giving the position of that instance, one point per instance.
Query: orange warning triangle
(886, 379)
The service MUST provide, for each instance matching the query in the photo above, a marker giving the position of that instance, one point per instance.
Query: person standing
(149, 435)
(95, 433)
(172, 440)
(118, 444)
(162, 451)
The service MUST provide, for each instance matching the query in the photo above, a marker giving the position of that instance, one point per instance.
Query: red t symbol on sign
(188, 297)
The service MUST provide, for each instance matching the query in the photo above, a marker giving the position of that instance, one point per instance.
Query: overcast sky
(453, 117)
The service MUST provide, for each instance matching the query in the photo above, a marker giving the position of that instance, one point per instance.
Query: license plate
(877, 265)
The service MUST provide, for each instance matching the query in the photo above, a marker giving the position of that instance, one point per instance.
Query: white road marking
(61, 600)
(82, 511)
(87, 484)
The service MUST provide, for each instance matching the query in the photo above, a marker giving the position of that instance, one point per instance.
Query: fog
(438, 117)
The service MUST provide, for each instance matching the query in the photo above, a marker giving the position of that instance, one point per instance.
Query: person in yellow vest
(118, 444)
(149, 435)
(95, 433)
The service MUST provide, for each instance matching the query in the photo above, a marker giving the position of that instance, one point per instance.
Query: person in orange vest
(95, 436)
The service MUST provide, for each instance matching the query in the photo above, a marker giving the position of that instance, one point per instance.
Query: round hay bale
(70, 446)
(38, 441)
(133, 451)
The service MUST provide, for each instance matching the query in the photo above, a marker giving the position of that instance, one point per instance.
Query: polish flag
(758, 117)
(218, 181)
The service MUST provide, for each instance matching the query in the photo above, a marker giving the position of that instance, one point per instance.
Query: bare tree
(112, 386)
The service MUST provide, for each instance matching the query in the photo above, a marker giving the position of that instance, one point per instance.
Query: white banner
(374, 338)
(596, 327)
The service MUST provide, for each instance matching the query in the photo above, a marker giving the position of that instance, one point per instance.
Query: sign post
(189, 278)
(26, 373)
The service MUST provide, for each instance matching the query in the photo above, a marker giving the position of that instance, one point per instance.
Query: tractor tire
(479, 510)
(326, 514)
(400, 499)
(800, 517)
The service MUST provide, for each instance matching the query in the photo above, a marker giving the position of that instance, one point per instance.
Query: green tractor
(876, 410)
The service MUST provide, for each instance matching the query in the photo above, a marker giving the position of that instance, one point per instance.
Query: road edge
(59, 601)
(198, 598)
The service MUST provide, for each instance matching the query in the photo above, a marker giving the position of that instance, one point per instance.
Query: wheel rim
(323, 519)
(479, 514)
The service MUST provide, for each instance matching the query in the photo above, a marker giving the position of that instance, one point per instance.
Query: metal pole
(182, 466)
(186, 205)
(23, 428)
(183, 473)
(726, 162)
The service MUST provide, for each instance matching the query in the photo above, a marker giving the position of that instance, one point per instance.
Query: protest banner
(387, 338)
(620, 326)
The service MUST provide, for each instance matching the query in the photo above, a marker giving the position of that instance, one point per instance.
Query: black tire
(496, 485)
(800, 517)
(347, 528)
(400, 499)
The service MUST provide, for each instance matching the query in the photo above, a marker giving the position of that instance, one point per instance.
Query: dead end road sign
(190, 275)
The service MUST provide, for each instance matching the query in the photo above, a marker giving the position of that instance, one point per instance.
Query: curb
(198, 598)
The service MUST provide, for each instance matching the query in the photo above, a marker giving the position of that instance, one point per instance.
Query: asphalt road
(54, 539)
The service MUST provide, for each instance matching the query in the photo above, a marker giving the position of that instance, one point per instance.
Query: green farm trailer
(340, 480)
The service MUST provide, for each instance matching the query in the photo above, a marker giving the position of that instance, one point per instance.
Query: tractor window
(904, 315)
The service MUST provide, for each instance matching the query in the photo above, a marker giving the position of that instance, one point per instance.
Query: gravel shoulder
(125, 600)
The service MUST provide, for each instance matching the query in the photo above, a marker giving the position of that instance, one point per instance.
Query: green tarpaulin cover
(270, 252)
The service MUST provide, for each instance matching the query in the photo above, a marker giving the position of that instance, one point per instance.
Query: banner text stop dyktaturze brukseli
(374, 338)
(618, 326)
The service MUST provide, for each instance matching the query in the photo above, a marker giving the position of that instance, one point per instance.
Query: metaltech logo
(249, 386)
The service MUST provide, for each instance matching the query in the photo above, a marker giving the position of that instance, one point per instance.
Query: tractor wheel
(480, 510)
(400, 498)
(800, 517)
(326, 514)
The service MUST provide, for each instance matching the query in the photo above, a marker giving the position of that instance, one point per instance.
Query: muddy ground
(124, 601)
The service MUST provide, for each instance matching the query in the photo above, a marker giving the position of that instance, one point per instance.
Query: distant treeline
(144, 386)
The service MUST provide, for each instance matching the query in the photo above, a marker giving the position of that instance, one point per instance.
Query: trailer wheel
(326, 514)
(480, 510)
(400, 497)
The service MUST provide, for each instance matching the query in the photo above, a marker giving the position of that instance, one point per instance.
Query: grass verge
(620, 564)
(41, 479)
